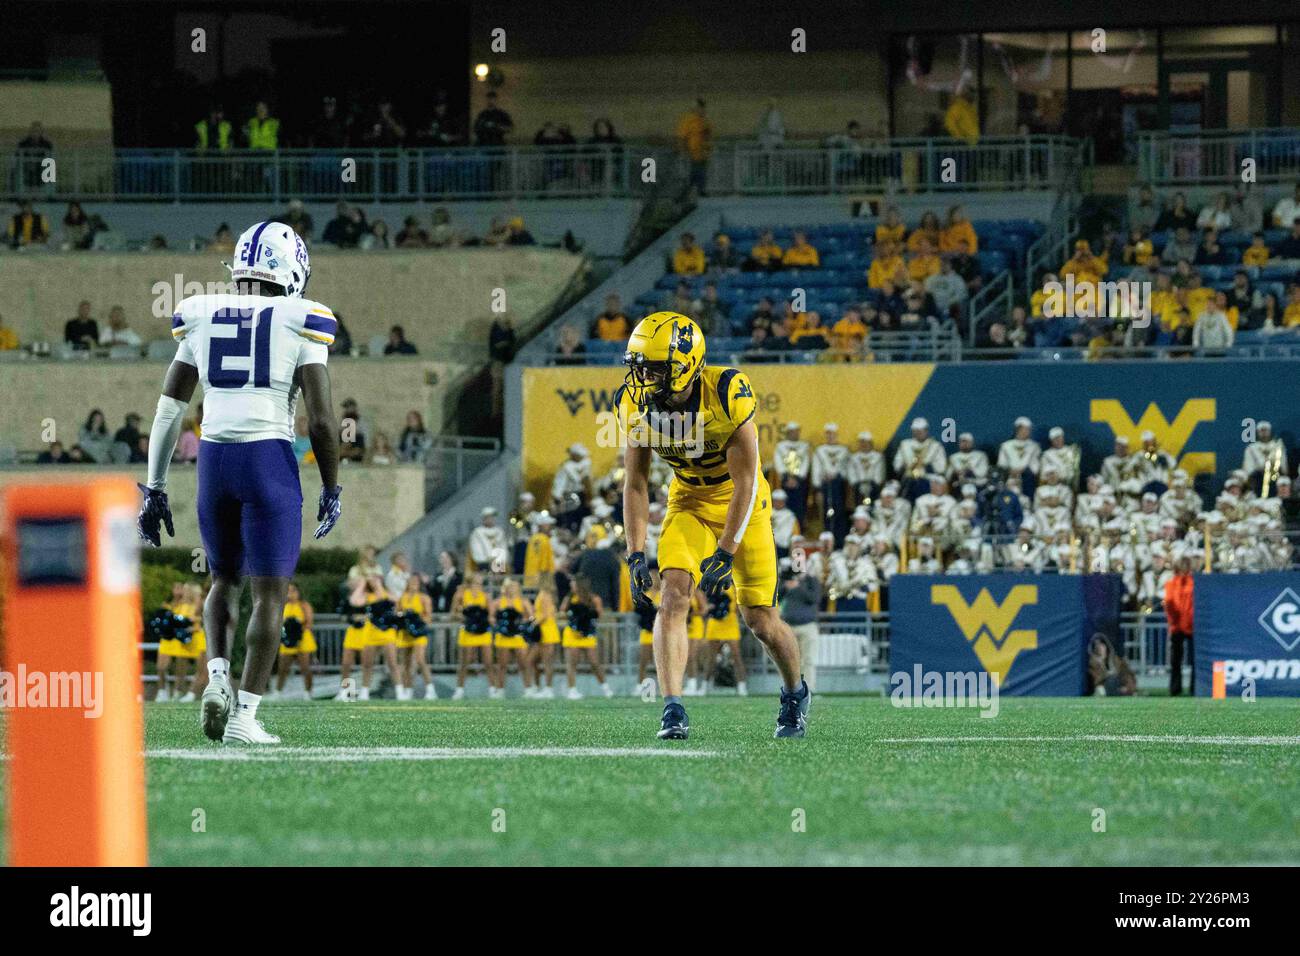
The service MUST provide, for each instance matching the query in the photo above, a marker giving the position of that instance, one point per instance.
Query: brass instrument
(1272, 467)
(917, 468)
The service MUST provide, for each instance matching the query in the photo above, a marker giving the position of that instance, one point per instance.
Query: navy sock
(672, 699)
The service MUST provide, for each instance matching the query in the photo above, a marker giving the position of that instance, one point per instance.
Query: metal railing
(451, 462)
(992, 301)
(524, 172)
(1216, 156)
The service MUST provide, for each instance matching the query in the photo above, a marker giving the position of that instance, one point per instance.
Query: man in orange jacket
(1178, 612)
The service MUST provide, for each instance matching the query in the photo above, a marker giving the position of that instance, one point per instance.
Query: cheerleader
(168, 647)
(511, 611)
(297, 642)
(416, 608)
(723, 627)
(696, 680)
(354, 638)
(195, 649)
(378, 639)
(474, 641)
(547, 634)
(583, 609)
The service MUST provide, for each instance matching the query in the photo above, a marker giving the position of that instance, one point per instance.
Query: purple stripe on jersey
(257, 238)
(177, 321)
(319, 323)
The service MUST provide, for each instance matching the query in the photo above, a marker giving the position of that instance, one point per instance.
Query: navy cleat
(792, 718)
(675, 725)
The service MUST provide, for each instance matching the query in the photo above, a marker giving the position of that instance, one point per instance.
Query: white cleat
(458, 694)
(189, 698)
(574, 694)
(532, 693)
(742, 689)
(691, 689)
(243, 729)
(162, 696)
(215, 709)
(703, 690)
(430, 692)
(607, 690)
(548, 693)
(346, 689)
(363, 693)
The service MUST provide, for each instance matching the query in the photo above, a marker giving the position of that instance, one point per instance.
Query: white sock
(218, 667)
(248, 703)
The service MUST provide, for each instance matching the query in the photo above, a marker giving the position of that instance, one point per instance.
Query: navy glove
(154, 512)
(715, 574)
(639, 572)
(329, 510)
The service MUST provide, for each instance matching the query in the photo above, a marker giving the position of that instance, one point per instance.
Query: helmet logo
(685, 338)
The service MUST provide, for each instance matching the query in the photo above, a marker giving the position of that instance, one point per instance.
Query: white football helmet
(273, 252)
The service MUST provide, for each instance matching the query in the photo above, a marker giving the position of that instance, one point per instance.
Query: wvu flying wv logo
(986, 625)
(601, 399)
(1172, 435)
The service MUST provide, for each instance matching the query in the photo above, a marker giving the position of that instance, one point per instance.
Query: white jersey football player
(254, 352)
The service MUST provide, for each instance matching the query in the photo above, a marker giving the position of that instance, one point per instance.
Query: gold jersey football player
(717, 533)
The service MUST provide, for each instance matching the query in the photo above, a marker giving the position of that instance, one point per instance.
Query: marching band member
(829, 464)
(571, 488)
(784, 523)
(866, 470)
(487, 543)
(916, 457)
(1265, 457)
(1062, 457)
(792, 464)
(1114, 467)
(1019, 455)
(968, 463)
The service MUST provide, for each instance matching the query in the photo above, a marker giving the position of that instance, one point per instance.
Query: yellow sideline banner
(567, 405)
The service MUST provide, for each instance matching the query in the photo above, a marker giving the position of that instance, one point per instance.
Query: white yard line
(1212, 741)
(276, 754)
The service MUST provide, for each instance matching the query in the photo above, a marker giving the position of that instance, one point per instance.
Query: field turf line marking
(372, 754)
(1106, 739)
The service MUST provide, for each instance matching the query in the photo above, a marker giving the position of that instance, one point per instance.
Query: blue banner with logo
(1028, 630)
(1250, 623)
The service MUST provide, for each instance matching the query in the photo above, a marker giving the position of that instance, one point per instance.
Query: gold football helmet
(665, 355)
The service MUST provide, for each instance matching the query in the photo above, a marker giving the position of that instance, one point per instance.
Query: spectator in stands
(118, 332)
(569, 348)
(1213, 331)
(27, 227)
(297, 218)
(923, 264)
(710, 312)
(502, 342)
(849, 334)
(330, 130)
(397, 343)
(518, 235)
(548, 135)
(1289, 247)
(381, 452)
(1083, 265)
(1209, 252)
(927, 234)
(486, 542)
(128, 436)
(885, 265)
(722, 255)
(360, 425)
(342, 338)
(415, 440)
(763, 314)
(187, 444)
(1179, 613)
(93, 437)
(444, 583)
(442, 130)
(443, 235)
(1216, 215)
(802, 254)
(967, 266)
(367, 566)
(1246, 210)
(8, 337)
(810, 334)
(1177, 216)
(345, 229)
(765, 255)
(223, 241)
(1256, 254)
(891, 227)
(1291, 317)
(412, 236)
(385, 130)
(1146, 211)
(81, 332)
(213, 132)
(35, 146)
(695, 140)
(262, 131)
(54, 455)
(493, 124)
(1139, 249)
(756, 350)
(688, 258)
(947, 288)
(1287, 210)
(957, 230)
(1180, 247)
(376, 237)
(778, 339)
(680, 300)
(76, 228)
(612, 324)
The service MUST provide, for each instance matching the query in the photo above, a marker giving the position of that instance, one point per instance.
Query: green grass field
(873, 784)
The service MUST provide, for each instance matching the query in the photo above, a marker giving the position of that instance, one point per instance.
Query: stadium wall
(63, 393)
(440, 296)
(73, 113)
(1199, 410)
(601, 224)
(378, 503)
